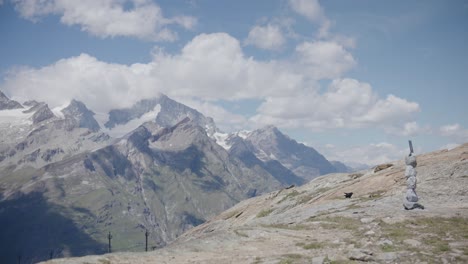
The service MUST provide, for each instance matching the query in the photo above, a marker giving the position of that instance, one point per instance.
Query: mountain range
(315, 223)
(67, 178)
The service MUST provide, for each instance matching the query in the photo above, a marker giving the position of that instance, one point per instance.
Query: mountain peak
(6, 103)
(269, 143)
(81, 115)
(169, 114)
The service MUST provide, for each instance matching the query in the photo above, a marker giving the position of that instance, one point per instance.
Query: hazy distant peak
(42, 113)
(81, 115)
(7, 103)
(31, 103)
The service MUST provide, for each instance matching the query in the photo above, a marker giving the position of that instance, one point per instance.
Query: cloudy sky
(354, 79)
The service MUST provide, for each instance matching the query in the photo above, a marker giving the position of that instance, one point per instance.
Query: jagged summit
(81, 116)
(170, 114)
(163, 110)
(41, 111)
(269, 143)
(7, 103)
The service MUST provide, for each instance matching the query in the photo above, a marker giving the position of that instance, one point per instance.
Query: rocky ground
(314, 223)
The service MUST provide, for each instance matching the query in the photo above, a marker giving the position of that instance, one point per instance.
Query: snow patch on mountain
(58, 111)
(243, 134)
(15, 117)
(14, 124)
(222, 139)
(121, 130)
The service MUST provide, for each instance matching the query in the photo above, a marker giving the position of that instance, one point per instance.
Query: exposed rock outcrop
(6, 103)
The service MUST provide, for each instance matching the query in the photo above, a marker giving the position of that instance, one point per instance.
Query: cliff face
(315, 223)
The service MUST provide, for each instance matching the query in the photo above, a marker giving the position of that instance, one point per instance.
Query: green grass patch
(291, 194)
(306, 198)
(104, 261)
(372, 196)
(438, 246)
(264, 213)
(311, 246)
(257, 260)
(388, 248)
(293, 256)
(241, 234)
(290, 258)
(289, 227)
(339, 222)
(354, 206)
(433, 232)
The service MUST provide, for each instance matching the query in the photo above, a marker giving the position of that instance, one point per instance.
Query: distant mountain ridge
(6, 103)
(167, 172)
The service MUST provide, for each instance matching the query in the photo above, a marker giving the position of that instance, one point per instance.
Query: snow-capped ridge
(8, 104)
(80, 115)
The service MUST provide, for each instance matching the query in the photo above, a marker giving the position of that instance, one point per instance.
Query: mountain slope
(269, 144)
(36, 137)
(166, 175)
(315, 223)
(165, 180)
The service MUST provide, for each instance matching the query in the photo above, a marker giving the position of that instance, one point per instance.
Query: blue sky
(354, 79)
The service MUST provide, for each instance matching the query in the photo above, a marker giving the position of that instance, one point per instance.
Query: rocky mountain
(159, 166)
(34, 136)
(271, 146)
(6, 103)
(81, 116)
(163, 110)
(165, 180)
(315, 223)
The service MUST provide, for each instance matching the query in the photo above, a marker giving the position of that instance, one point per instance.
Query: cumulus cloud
(225, 120)
(213, 67)
(313, 11)
(372, 154)
(269, 37)
(456, 132)
(324, 59)
(102, 86)
(108, 18)
(347, 103)
(409, 129)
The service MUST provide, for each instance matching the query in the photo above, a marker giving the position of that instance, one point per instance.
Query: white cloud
(108, 18)
(269, 37)
(324, 59)
(450, 146)
(224, 119)
(372, 154)
(456, 132)
(347, 103)
(102, 86)
(312, 10)
(213, 67)
(409, 129)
